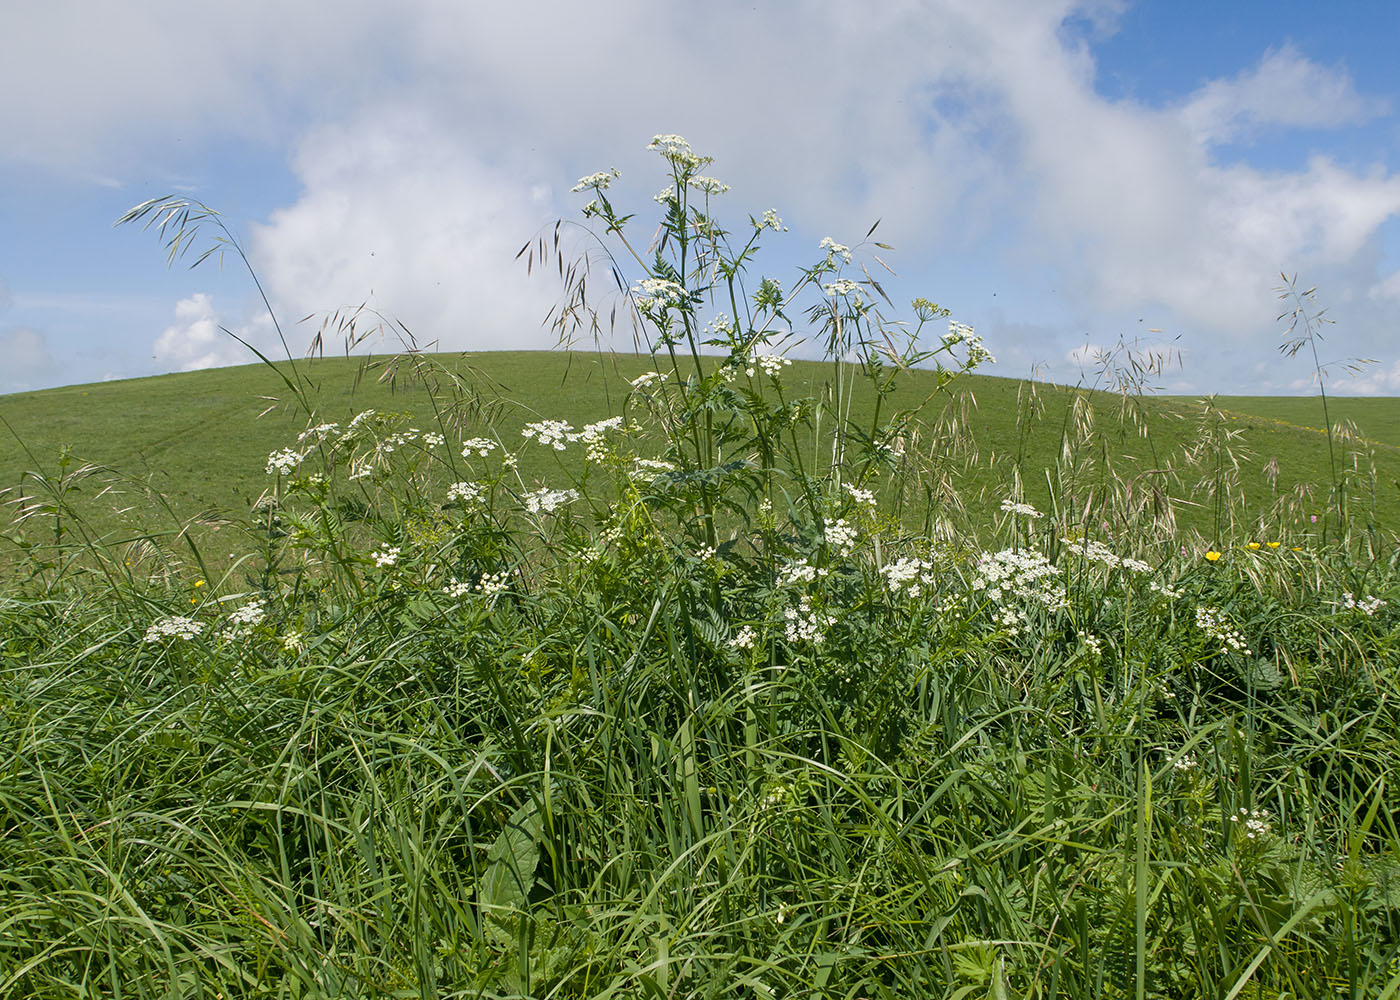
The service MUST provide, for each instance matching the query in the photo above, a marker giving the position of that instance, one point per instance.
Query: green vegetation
(721, 682)
(187, 452)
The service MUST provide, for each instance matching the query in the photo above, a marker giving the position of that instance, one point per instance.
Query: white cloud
(404, 214)
(1284, 89)
(973, 128)
(106, 80)
(198, 339)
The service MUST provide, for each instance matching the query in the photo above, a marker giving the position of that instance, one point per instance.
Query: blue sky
(1061, 175)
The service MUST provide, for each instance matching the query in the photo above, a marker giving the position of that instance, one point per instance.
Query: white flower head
(674, 148)
(840, 536)
(596, 182)
(834, 249)
(477, 446)
(317, 434)
(456, 589)
(1023, 509)
(865, 498)
(708, 185)
(547, 501)
(388, 555)
(283, 462)
(659, 292)
(173, 627)
(549, 432)
(464, 493)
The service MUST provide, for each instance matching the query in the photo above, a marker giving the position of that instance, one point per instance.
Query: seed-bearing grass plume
(741, 678)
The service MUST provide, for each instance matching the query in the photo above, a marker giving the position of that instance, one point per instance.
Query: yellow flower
(1273, 545)
(199, 583)
(1212, 555)
(1252, 546)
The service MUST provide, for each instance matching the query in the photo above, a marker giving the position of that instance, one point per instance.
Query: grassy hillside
(1376, 421)
(199, 441)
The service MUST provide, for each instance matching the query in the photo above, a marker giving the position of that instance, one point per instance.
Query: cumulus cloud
(198, 338)
(413, 219)
(106, 80)
(973, 127)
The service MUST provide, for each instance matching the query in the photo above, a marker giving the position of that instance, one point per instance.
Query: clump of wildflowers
(592, 437)
(492, 584)
(596, 182)
(834, 250)
(961, 333)
(479, 446)
(1367, 605)
(242, 621)
(708, 185)
(803, 624)
(173, 627)
(1023, 509)
(388, 555)
(456, 588)
(798, 572)
(908, 576)
(1213, 622)
(772, 364)
(552, 433)
(840, 536)
(863, 497)
(676, 149)
(318, 434)
(547, 501)
(1096, 551)
(464, 493)
(1023, 573)
(658, 292)
(1255, 823)
(284, 462)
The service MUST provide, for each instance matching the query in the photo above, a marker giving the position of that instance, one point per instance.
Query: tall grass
(701, 715)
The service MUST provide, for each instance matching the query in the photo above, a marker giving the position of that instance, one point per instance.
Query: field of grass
(1376, 421)
(559, 676)
(798, 724)
(187, 452)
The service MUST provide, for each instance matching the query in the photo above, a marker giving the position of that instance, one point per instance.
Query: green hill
(200, 440)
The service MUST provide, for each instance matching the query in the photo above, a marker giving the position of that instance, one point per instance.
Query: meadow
(695, 674)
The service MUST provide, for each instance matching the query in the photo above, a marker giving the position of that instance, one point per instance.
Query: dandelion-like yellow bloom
(199, 583)
(1213, 556)
(1252, 546)
(1273, 545)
